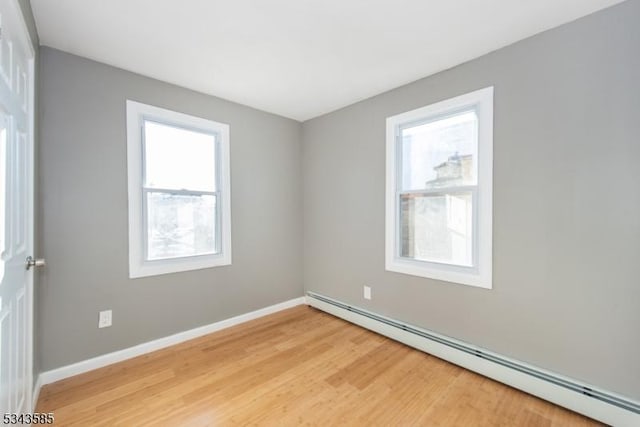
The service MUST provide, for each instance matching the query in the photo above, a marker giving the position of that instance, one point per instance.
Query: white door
(16, 210)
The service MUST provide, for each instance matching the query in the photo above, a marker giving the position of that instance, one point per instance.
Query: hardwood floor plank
(296, 367)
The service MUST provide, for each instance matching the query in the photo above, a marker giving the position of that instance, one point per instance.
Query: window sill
(443, 272)
(176, 265)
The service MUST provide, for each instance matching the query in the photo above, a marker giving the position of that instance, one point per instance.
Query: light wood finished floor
(298, 366)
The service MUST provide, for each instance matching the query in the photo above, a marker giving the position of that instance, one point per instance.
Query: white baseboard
(578, 402)
(128, 353)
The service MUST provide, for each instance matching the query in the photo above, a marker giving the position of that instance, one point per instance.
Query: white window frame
(137, 114)
(480, 273)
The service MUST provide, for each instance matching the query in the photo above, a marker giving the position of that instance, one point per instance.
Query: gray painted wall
(83, 190)
(566, 201)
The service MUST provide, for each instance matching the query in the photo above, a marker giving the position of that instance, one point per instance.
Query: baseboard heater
(598, 404)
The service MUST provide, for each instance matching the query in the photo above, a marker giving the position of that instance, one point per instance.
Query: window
(179, 201)
(439, 190)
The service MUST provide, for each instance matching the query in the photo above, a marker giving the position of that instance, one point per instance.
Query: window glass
(179, 226)
(440, 153)
(437, 228)
(178, 158)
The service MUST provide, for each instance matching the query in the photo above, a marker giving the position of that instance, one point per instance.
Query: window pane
(179, 159)
(441, 153)
(437, 228)
(180, 226)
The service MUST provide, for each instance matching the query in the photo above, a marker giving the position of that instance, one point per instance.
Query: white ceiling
(296, 58)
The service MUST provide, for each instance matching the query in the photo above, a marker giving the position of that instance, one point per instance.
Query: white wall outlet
(104, 320)
(367, 292)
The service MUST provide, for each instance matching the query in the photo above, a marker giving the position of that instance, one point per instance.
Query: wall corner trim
(63, 372)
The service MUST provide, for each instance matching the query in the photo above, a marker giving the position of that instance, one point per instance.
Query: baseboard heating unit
(585, 399)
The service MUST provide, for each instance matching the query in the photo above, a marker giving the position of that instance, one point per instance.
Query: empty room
(287, 212)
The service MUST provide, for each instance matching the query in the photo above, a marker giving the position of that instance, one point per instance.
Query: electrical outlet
(367, 292)
(104, 320)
